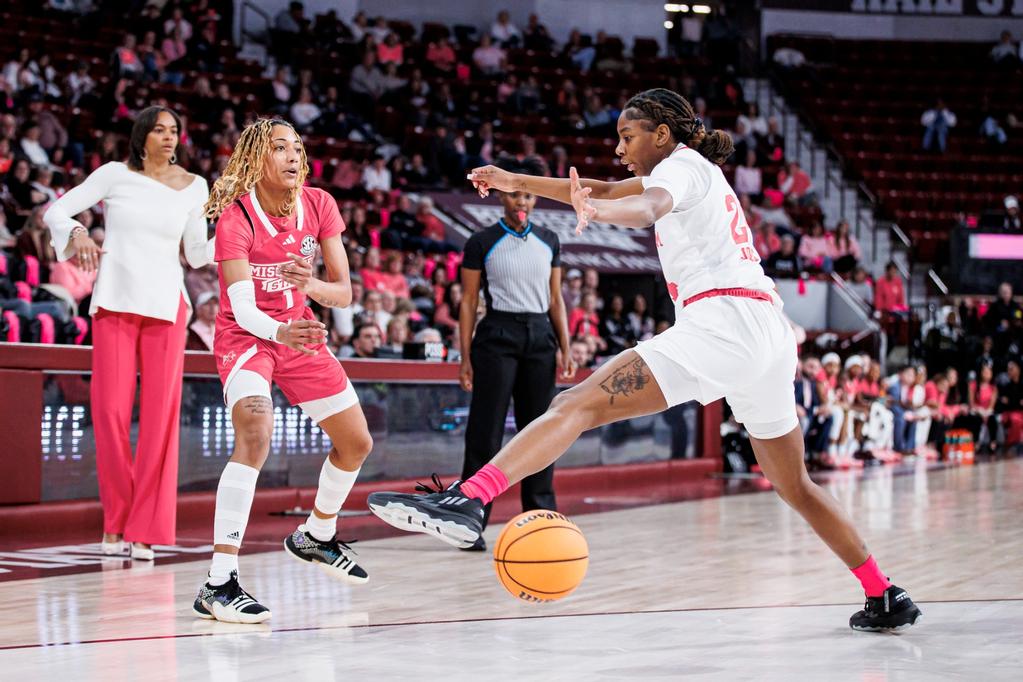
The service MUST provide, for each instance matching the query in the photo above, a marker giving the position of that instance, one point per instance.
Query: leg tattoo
(626, 380)
(257, 405)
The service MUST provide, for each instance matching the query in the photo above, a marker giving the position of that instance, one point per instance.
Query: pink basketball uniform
(244, 230)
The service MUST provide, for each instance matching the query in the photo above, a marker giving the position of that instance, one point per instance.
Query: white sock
(234, 500)
(335, 484)
(221, 567)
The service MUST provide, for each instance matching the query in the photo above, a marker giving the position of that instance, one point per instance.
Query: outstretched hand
(486, 178)
(584, 210)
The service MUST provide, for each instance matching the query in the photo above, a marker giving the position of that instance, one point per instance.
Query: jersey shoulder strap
(245, 213)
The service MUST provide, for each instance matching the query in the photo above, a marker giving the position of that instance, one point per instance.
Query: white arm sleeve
(250, 318)
(60, 216)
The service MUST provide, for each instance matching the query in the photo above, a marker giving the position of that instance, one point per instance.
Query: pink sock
(870, 576)
(486, 484)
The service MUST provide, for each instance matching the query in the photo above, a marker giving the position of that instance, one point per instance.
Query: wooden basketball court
(733, 587)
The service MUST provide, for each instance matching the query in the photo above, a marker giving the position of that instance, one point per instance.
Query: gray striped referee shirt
(516, 268)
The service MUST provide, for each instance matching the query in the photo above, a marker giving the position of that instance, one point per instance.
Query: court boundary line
(368, 626)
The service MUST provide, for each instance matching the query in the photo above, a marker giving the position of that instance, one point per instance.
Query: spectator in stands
(34, 241)
(292, 19)
(433, 234)
(536, 37)
(398, 334)
(200, 331)
(559, 164)
(53, 135)
(900, 402)
(205, 50)
(889, 292)
(80, 85)
(766, 240)
(126, 61)
(376, 176)
(392, 279)
(174, 51)
(372, 309)
(371, 272)
(391, 51)
(815, 249)
(796, 184)
(579, 49)
(366, 83)
(572, 289)
(983, 399)
(814, 417)
(597, 116)
(754, 120)
(937, 122)
(772, 145)
(1005, 52)
(442, 56)
(1011, 218)
(30, 145)
(614, 327)
(845, 249)
(748, 177)
(584, 321)
(641, 325)
(360, 26)
(343, 319)
(304, 112)
(14, 69)
(1003, 317)
(580, 353)
(942, 413)
(504, 32)
(366, 341)
(785, 263)
(488, 57)
(446, 314)
(1010, 404)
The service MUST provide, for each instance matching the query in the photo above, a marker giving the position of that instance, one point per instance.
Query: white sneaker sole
(410, 519)
(333, 571)
(219, 613)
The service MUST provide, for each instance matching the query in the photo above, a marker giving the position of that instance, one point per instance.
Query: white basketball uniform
(730, 339)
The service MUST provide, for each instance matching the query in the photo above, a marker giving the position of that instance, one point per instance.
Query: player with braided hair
(729, 340)
(269, 231)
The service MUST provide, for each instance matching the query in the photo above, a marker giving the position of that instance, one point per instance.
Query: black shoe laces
(424, 488)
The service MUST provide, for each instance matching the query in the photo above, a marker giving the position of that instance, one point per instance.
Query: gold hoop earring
(144, 155)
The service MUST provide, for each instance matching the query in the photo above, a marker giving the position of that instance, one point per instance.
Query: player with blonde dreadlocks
(269, 231)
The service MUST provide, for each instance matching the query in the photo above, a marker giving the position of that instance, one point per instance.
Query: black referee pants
(513, 356)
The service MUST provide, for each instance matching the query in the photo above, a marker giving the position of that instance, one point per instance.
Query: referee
(514, 352)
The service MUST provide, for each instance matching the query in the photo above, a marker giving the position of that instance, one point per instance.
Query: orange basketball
(541, 556)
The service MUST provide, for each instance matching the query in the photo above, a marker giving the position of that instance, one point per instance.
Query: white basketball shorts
(739, 349)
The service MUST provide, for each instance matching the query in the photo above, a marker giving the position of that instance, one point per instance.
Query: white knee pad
(245, 383)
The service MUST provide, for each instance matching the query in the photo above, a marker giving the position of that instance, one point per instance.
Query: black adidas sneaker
(893, 610)
(229, 603)
(442, 512)
(332, 557)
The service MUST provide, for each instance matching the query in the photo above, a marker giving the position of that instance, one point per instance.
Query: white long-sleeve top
(145, 220)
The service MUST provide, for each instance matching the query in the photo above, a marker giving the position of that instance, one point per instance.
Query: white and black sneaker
(229, 603)
(334, 557)
(442, 512)
(893, 610)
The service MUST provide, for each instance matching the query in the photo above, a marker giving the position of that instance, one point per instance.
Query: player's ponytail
(661, 106)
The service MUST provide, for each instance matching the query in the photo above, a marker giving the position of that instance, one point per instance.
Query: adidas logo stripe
(455, 501)
(234, 536)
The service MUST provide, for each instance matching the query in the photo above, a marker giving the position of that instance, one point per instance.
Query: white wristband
(249, 317)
